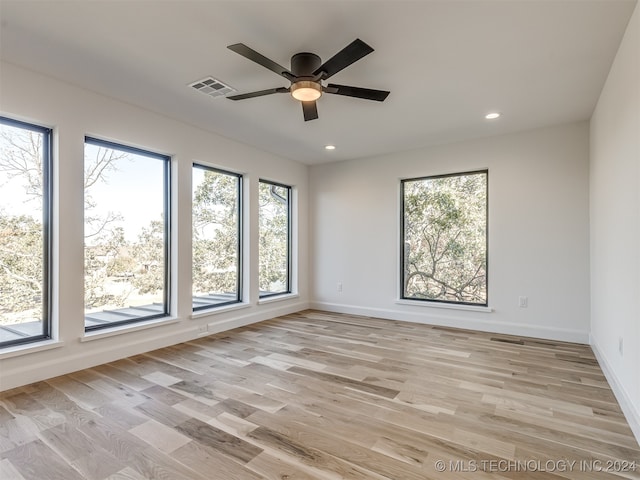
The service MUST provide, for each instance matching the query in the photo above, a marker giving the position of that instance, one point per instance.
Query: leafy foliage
(21, 266)
(101, 262)
(124, 257)
(445, 251)
(21, 227)
(148, 252)
(104, 237)
(274, 238)
(215, 234)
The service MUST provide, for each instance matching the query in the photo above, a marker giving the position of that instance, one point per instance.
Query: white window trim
(277, 298)
(29, 348)
(129, 327)
(450, 306)
(213, 310)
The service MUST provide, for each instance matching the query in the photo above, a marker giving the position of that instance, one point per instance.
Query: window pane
(24, 220)
(125, 234)
(216, 237)
(275, 202)
(445, 238)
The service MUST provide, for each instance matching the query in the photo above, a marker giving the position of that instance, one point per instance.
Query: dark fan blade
(345, 57)
(310, 110)
(260, 59)
(366, 93)
(260, 93)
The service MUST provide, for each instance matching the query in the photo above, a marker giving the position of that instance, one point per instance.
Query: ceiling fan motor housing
(305, 87)
(304, 64)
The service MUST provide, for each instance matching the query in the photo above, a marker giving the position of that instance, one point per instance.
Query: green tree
(148, 252)
(21, 228)
(21, 271)
(445, 238)
(104, 239)
(274, 238)
(103, 260)
(215, 234)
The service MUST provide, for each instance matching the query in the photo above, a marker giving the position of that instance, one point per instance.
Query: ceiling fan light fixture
(306, 90)
(307, 74)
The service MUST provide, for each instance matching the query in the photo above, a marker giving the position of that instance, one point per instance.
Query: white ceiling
(446, 63)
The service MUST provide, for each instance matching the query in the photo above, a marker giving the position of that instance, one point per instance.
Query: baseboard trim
(256, 317)
(631, 412)
(477, 323)
(36, 368)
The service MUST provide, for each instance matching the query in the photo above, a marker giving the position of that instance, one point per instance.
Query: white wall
(74, 113)
(615, 224)
(538, 232)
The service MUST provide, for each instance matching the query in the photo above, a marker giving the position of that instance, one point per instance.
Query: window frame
(403, 250)
(240, 230)
(288, 289)
(166, 188)
(47, 230)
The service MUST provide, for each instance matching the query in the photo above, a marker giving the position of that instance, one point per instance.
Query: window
(444, 238)
(126, 234)
(217, 237)
(25, 232)
(275, 239)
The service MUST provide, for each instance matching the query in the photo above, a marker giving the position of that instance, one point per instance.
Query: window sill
(277, 298)
(110, 332)
(214, 310)
(29, 348)
(449, 306)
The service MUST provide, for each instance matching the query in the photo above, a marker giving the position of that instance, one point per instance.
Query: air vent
(212, 87)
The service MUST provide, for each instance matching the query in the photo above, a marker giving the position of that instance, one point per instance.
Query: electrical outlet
(202, 330)
(523, 302)
(621, 346)
(339, 287)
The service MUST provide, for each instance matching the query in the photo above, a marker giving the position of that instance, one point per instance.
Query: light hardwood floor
(326, 396)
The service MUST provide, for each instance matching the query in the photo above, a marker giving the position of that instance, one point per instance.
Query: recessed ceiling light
(329, 147)
(492, 115)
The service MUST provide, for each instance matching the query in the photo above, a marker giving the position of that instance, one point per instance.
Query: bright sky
(13, 189)
(14, 201)
(134, 191)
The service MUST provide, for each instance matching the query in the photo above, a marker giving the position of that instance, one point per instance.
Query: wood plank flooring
(315, 395)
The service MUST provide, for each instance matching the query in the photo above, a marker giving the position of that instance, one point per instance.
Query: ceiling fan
(307, 73)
